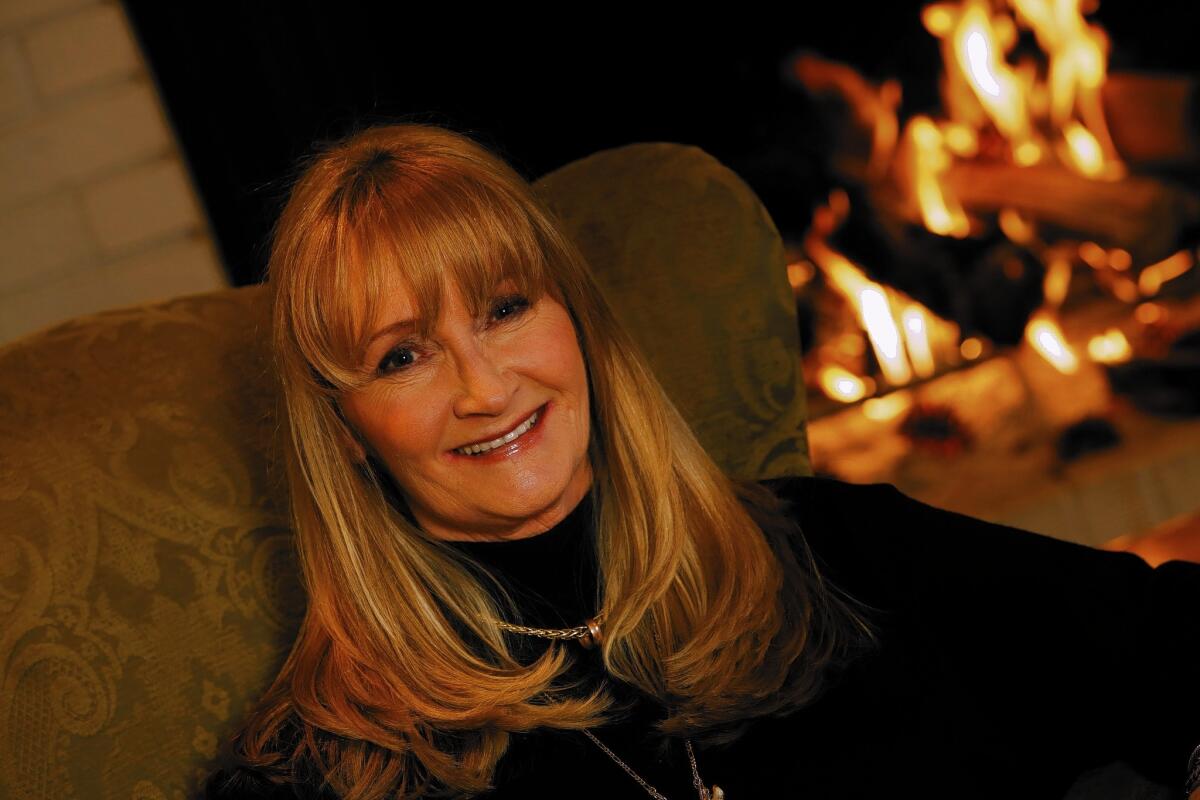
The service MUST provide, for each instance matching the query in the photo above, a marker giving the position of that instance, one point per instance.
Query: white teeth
(476, 449)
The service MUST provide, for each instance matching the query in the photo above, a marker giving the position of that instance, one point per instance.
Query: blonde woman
(526, 578)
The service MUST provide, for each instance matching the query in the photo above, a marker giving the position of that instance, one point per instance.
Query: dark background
(251, 86)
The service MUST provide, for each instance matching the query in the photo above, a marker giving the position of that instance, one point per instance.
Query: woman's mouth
(484, 448)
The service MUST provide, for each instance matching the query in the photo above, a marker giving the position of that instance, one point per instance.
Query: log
(1142, 214)
(1152, 117)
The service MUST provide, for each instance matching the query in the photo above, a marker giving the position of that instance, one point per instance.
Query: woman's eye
(511, 306)
(397, 358)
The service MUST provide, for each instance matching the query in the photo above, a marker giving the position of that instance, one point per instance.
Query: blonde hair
(397, 684)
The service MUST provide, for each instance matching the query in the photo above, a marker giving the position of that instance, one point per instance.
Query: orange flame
(1155, 275)
(1078, 55)
(980, 58)
(1058, 277)
(841, 384)
(928, 159)
(1016, 227)
(1083, 151)
(915, 324)
(882, 409)
(1046, 337)
(1110, 347)
(893, 344)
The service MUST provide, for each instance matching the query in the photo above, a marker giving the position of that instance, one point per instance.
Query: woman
(526, 577)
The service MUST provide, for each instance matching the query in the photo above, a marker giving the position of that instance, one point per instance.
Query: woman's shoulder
(879, 540)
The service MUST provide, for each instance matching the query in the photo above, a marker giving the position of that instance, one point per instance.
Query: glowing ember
(1125, 290)
(1018, 229)
(882, 409)
(1110, 347)
(800, 273)
(841, 384)
(1058, 278)
(1148, 313)
(1083, 151)
(938, 19)
(960, 139)
(1155, 275)
(1119, 259)
(971, 348)
(1045, 336)
(1093, 255)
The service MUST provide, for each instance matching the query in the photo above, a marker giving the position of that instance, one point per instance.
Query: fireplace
(999, 297)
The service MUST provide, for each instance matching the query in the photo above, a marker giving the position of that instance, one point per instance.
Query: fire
(1110, 347)
(1083, 151)
(916, 338)
(979, 57)
(841, 384)
(981, 86)
(1016, 227)
(1155, 275)
(1058, 277)
(882, 409)
(871, 303)
(1046, 337)
(1078, 55)
(1149, 313)
(1042, 110)
(800, 273)
(928, 159)
(885, 336)
(904, 344)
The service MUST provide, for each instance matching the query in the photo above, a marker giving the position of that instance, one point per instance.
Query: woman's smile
(513, 443)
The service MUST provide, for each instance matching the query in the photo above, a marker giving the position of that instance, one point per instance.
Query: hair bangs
(462, 233)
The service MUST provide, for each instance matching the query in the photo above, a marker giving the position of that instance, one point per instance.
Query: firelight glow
(978, 55)
(1046, 337)
(1083, 149)
(1110, 347)
(841, 384)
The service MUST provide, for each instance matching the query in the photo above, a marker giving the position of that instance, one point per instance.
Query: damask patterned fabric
(148, 591)
(694, 267)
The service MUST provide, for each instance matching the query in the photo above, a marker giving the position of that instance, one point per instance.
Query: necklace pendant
(717, 793)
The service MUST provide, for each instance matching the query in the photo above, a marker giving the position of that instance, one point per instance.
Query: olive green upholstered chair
(147, 587)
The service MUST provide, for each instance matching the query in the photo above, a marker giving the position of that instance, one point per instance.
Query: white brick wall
(97, 209)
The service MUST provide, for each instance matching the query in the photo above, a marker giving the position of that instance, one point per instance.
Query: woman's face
(478, 383)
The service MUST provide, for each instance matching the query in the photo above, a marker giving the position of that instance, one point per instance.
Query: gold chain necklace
(705, 794)
(591, 635)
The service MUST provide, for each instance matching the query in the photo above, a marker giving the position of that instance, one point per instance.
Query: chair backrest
(147, 587)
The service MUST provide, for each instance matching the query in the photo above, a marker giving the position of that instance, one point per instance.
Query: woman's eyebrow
(400, 326)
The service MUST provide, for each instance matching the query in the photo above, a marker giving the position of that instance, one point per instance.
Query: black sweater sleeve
(1084, 656)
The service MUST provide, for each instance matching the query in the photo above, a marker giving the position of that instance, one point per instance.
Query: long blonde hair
(398, 683)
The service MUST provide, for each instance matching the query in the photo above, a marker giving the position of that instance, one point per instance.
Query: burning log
(1142, 215)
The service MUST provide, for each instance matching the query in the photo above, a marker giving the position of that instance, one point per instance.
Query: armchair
(148, 591)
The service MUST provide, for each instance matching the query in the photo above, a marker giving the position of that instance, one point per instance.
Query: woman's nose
(485, 386)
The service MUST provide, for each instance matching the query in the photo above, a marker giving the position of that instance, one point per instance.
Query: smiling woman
(452, 377)
(527, 578)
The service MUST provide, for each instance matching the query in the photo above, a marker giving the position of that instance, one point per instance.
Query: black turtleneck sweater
(553, 578)
(1009, 664)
